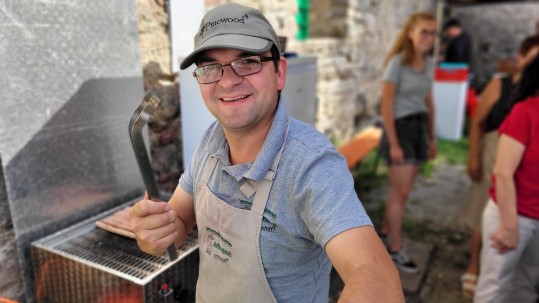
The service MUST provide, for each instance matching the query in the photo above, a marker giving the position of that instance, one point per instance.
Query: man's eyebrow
(208, 59)
(204, 59)
(246, 54)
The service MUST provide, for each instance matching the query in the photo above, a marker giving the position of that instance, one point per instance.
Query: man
(271, 198)
(459, 43)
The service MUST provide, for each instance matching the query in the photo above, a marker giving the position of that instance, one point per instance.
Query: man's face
(453, 31)
(242, 103)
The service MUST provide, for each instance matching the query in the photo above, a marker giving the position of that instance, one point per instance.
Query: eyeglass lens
(241, 67)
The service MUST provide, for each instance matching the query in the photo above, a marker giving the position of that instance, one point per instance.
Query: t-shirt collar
(257, 170)
(271, 145)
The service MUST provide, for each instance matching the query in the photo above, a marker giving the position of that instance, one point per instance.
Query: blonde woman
(408, 115)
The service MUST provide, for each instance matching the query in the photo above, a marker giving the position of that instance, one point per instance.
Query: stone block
(420, 253)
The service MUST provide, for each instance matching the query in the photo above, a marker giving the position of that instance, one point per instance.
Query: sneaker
(402, 261)
(385, 240)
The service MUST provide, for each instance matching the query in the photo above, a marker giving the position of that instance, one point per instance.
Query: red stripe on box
(457, 74)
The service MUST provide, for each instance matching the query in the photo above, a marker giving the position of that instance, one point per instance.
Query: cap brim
(240, 42)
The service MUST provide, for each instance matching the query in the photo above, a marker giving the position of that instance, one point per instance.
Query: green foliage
(454, 152)
(450, 152)
(336, 140)
(369, 173)
(427, 169)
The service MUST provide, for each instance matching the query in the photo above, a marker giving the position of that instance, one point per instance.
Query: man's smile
(233, 99)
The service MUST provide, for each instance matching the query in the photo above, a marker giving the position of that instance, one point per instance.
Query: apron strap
(209, 166)
(263, 188)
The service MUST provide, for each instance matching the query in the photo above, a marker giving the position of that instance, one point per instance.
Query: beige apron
(231, 267)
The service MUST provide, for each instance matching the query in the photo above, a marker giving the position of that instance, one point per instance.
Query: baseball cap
(233, 26)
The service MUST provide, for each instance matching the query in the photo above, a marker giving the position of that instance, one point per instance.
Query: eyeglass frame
(262, 59)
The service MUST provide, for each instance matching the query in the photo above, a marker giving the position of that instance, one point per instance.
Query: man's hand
(154, 224)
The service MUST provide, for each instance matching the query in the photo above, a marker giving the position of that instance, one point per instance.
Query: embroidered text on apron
(231, 267)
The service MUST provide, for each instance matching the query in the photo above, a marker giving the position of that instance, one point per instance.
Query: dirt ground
(434, 214)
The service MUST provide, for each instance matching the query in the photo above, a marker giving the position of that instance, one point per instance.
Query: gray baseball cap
(233, 26)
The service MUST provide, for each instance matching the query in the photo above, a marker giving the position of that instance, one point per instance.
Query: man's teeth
(234, 99)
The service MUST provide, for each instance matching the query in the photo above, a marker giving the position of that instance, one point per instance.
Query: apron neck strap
(263, 188)
(208, 170)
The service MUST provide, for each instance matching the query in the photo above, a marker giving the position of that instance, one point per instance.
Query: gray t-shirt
(412, 86)
(311, 201)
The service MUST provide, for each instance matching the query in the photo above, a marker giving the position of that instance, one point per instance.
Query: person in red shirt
(511, 217)
(495, 103)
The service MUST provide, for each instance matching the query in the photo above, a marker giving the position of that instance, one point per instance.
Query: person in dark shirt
(459, 44)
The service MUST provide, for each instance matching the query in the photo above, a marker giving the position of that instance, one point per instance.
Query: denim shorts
(413, 139)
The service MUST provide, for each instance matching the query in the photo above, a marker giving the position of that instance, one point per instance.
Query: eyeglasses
(425, 33)
(241, 67)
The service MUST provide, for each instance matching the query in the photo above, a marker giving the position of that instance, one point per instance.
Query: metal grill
(86, 264)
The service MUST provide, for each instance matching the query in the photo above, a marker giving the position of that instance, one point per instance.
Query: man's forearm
(371, 283)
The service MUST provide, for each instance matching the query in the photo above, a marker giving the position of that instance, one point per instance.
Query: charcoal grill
(84, 263)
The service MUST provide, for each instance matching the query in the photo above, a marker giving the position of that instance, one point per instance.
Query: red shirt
(522, 124)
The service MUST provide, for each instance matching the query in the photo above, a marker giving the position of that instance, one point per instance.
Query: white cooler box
(449, 93)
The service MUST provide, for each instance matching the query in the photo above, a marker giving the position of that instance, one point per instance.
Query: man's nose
(229, 77)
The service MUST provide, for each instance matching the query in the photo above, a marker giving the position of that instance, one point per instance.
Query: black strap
(502, 107)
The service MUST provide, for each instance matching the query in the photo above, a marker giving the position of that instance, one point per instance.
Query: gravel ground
(434, 215)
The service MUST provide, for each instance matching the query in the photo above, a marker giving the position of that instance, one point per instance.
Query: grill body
(86, 264)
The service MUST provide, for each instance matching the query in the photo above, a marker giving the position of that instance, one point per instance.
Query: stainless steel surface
(140, 117)
(70, 78)
(86, 264)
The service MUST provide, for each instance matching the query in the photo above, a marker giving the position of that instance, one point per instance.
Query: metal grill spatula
(140, 117)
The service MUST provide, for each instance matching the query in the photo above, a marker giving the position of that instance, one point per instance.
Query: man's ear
(281, 73)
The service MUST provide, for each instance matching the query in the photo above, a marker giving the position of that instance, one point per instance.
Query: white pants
(524, 286)
(497, 269)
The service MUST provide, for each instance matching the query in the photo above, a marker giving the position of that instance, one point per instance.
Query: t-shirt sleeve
(517, 124)
(188, 178)
(328, 201)
(393, 70)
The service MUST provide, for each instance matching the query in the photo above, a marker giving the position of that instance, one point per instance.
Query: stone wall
(496, 32)
(164, 127)
(350, 40)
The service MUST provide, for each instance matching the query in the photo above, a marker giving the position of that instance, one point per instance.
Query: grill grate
(116, 254)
